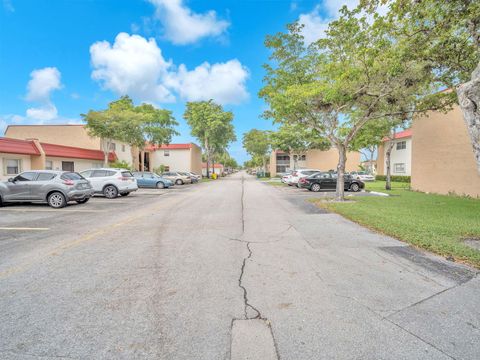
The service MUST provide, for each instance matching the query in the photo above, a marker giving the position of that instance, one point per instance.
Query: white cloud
(43, 113)
(223, 82)
(42, 83)
(135, 66)
(183, 26)
(315, 23)
(7, 5)
(3, 126)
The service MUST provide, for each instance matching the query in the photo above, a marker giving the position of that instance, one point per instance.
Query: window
(72, 176)
(166, 152)
(99, 173)
(49, 165)
(68, 166)
(13, 166)
(302, 157)
(401, 145)
(113, 147)
(87, 173)
(45, 176)
(127, 174)
(26, 176)
(123, 148)
(399, 168)
(97, 165)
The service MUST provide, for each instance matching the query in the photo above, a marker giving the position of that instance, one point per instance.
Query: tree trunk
(264, 165)
(208, 158)
(134, 154)
(142, 160)
(388, 184)
(106, 151)
(342, 160)
(469, 100)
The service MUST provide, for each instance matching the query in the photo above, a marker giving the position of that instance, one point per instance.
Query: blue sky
(60, 58)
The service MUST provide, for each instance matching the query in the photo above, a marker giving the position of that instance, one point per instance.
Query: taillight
(68, 182)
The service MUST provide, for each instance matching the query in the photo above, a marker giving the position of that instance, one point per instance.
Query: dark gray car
(53, 187)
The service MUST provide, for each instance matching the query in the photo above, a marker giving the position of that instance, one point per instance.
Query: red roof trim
(169, 147)
(16, 146)
(217, 166)
(54, 150)
(400, 135)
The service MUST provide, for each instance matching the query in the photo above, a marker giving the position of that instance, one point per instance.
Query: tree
(211, 125)
(296, 140)
(355, 75)
(107, 124)
(445, 35)
(134, 125)
(257, 143)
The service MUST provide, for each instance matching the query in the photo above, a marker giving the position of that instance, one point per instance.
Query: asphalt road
(231, 269)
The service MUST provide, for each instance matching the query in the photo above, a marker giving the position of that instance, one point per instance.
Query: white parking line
(24, 229)
(51, 210)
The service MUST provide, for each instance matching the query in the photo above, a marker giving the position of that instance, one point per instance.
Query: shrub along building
(324, 160)
(174, 157)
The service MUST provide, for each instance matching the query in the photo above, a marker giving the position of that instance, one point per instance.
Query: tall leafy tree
(445, 35)
(211, 125)
(257, 143)
(355, 75)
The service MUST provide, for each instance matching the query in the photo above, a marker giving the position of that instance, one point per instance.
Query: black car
(328, 181)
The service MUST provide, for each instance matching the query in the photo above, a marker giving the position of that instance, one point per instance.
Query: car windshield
(127, 174)
(72, 176)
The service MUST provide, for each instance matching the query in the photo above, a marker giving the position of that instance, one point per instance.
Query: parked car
(111, 182)
(151, 180)
(362, 175)
(192, 177)
(56, 188)
(328, 181)
(177, 178)
(286, 176)
(299, 174)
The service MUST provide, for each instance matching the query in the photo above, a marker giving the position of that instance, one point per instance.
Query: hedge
(397, 178)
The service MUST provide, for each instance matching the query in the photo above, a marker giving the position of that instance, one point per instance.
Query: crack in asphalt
(247, 306)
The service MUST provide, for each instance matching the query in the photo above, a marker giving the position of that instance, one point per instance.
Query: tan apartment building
(17, 156)
(400, 156)
(174, 157)
(442, 157)
(324, 160)
(179, 157)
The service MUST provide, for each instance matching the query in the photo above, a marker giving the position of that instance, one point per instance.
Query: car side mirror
(12, 180)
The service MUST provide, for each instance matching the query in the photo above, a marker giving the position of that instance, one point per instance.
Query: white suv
(111, 182)
(299, 174)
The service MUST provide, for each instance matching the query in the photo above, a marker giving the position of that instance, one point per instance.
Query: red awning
(16, 146)
(54, 150)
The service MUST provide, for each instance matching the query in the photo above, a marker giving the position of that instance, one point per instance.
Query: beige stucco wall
(25, 164)
(442, 155)
(69, 135)
(78, 164)
(178, 160)
(328, 160)
(196, 159)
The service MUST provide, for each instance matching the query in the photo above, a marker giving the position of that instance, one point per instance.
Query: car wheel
(83, 201)
(110, 192)
(160, 185)
(354, 187)
(179, 182)
(315, 187)
(57, 200)
(125, 194)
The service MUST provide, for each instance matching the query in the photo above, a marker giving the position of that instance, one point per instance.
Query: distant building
(216, 168)
(281, 162)
(175, 157)
(400, 157)
(21, 155)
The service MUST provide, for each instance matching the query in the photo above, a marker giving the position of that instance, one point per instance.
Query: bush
(120, 165)
(261, 174)
(397, 178)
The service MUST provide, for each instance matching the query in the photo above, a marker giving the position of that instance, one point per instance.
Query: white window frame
(5, 166)
(113, 146)
(399, 164)
(166, 152)
(403, 145)
(48, 167)
(123, 147)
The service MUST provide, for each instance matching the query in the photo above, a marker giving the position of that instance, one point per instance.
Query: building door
(68, 166)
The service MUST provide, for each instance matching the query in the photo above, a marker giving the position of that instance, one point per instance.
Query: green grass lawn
(437, 223)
